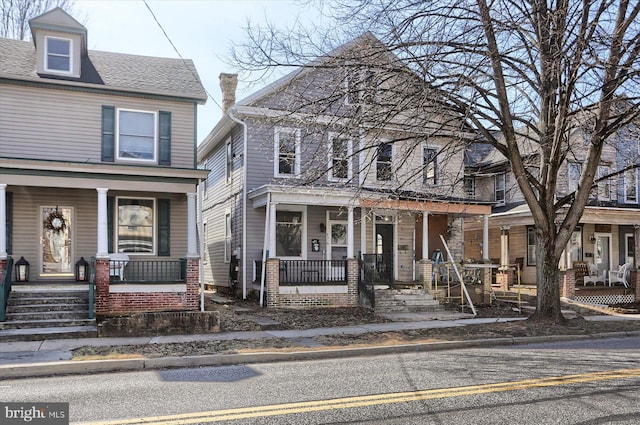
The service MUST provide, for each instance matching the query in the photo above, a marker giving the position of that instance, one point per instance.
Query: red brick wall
(315, 300)
(272, 279)
(3, 264)
(567, 284)
(139, 302)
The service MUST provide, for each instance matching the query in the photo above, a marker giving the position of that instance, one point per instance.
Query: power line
(178, 52)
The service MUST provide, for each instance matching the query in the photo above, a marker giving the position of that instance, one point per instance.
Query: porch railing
(308, 272)
(148, 271)
(5, 289)
(380, 267)
(92, 287)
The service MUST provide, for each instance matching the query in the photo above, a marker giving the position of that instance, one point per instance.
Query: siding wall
(39, 123)
(27, 226)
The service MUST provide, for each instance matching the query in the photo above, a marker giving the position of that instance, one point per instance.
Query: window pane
(288, 233)
(58, 63)
(531, 247)
(383, 163)
(429, 165)
(58, 47)
(286, 153)
(136, 138)
(135, 225)
(630, 188)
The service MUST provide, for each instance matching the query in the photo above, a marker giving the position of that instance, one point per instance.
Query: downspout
(244, 200)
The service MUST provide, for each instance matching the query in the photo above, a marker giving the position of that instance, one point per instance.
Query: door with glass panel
(337, 248)
(602, 252)
(56, 247)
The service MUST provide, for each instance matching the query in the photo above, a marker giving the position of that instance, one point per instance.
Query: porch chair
(620, 275)
(595, 276)
(117, 263)
(580, 270)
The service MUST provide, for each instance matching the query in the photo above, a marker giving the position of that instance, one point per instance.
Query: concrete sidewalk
(53, 357)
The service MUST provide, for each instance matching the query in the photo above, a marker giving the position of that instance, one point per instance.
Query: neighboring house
(97, 156)
(306, 173)
(608, 230)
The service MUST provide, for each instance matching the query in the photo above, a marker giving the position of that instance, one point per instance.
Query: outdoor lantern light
(22, 270)
(82, 270)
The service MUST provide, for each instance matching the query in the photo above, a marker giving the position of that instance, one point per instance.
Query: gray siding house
(97, 157)
(313, 172)
(608, 234)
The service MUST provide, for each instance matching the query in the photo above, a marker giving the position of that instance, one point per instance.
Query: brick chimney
(228, 84)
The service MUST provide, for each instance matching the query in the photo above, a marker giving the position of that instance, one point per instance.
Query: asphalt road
(584, 382)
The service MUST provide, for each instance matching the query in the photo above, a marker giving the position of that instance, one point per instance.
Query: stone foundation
(165, 323)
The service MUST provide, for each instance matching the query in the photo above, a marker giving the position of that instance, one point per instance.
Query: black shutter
(164, 207)
(110, 207)
(9, 220)
(164, 145)
(108, 133)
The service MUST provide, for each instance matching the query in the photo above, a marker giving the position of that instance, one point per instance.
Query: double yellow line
(371, 400)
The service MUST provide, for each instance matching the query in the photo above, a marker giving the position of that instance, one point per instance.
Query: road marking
(370, 400)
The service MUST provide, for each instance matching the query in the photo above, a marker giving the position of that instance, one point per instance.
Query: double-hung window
(531, 246)
(137, 135)
(58, 55)
(429, 165)
(470, 187)
(340, 151)
(384, 162)
(631, 186)
(574, 170)
(287, 152)
(227, 237)
(604, 185)
(289, 233)
(136, 222)
(228, 159)
(499, 188)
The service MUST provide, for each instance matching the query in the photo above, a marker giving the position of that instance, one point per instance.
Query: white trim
(303, 241)
(429, 146)
(126, 288)
(635, 184)
(228, 161)
(276, 152)
(332, 136)
(504, 188)
(627, 236)
(227, 255)
(154, 227)
(606, 235)
(46, 55)
(155, 135)
(393, 155)
(72, 240)
(310, 289)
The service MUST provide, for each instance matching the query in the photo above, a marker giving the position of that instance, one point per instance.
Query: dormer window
(58, 55)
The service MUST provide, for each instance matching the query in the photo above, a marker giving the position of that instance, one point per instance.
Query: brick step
(40, 334)
(48, 315)
(38, 323)
(45, 308)
(53, 294)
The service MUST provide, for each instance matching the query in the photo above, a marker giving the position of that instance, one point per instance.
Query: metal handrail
(92, 287)
(313, 272)
(5, 290)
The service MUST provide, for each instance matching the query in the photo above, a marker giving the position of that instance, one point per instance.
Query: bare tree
(518, 75)
(16, 14)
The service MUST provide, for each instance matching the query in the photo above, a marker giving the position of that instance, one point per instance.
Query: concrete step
(40, 334)
(46, 323)
(408, 308)
(49, 315)
(45, 308)
(22, 300)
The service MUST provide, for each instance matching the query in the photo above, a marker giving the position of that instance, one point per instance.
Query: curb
(70, 367)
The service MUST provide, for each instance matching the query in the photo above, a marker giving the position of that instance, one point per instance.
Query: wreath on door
(55, 221)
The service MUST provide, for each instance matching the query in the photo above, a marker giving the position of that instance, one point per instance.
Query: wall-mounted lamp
(592, 238)
(323, 228)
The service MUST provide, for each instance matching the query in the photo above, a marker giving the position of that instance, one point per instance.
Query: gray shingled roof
(110, 71)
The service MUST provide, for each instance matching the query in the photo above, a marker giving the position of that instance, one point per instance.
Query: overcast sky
(201, 30)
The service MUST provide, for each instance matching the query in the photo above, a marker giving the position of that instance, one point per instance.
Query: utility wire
(178, 52)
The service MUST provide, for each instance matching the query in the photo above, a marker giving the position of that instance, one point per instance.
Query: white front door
(337, 246)
(56, 247)
(602, 252)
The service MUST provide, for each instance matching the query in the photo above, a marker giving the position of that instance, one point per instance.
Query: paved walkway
(53, 357)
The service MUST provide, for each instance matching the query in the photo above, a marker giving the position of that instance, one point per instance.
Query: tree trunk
(547, 283)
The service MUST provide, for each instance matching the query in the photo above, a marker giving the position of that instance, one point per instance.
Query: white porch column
(103, 229)
(425, 235)
(3, 221)
(350, 241)
(192, 235)
(272, 229)
(363, 230)
(485, 239)
(504, 246)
